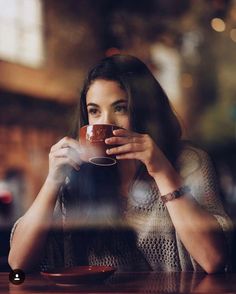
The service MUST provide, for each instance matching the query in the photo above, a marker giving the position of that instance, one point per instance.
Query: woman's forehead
(101, 90)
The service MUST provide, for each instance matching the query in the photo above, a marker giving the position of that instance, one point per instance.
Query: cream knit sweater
(147, 239)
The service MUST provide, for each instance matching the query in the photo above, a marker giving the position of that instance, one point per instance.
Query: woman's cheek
(126, 124)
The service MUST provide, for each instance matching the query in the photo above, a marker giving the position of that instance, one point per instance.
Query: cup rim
(90, 125)
(113, 160)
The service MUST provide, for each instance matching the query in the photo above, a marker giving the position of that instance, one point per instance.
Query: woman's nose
(108, 118)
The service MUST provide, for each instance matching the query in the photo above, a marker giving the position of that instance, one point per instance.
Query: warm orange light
(233, 35)
(218, 24)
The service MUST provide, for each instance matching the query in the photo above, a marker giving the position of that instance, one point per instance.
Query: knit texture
(147, 239)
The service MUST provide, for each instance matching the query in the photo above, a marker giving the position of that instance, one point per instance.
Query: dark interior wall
(22, 110)
(73, 33)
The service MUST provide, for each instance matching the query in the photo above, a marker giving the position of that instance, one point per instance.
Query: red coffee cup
(92, 140)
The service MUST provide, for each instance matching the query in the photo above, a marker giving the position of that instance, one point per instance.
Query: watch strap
(175, 194)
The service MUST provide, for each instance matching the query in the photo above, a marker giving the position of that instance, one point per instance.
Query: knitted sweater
(147, 239)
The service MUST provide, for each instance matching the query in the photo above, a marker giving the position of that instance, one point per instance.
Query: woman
(168, 189)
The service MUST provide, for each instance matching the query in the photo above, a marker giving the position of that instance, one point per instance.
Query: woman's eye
(93, 111)
(121, 108)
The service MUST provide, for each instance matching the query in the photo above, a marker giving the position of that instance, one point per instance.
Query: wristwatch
(175, 194)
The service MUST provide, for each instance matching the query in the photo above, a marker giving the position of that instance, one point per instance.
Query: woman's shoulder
(190, 150)
(192, 158)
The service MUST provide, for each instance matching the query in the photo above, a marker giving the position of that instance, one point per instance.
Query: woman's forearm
(200, 233)
(198, 230)
(31, 232)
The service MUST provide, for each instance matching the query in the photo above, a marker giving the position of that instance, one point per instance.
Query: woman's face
(107, 104)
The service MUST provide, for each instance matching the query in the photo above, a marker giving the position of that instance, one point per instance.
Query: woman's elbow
(15, 263)
(215, 266)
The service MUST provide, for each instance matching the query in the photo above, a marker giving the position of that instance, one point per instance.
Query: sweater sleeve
(199, 174)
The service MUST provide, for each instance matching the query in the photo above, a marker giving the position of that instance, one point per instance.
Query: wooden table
(145, 282)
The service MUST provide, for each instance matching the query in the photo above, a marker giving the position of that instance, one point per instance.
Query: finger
(132, 155)
(68, 152)
(131, 147)
(65, 142)
(122, 140)
(62, 152)
(65, 161)
(73, 164)
(58, 144)
(125, 133)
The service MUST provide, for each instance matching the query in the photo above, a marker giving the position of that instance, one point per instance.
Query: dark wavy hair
(149, 107)
(150, 112)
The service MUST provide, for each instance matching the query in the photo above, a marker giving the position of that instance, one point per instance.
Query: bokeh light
(218, 24)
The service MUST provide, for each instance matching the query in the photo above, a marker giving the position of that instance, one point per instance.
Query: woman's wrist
(168, 180)
(55, 181)
(175, 194)
(52, 183)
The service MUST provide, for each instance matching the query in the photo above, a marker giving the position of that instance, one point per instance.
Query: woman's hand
(138, 146)
(63, 156)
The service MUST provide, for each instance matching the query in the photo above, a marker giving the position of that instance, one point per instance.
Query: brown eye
(121, 108)
(93, 111)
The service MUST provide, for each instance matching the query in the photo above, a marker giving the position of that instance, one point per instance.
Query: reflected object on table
(139, 282)
(79, 275)
(130, 282)
(217, 283)
(153, 282)
(172, 282)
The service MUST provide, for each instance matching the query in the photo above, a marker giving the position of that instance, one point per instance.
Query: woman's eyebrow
(119, 101)
(113, 104)
(92, 104)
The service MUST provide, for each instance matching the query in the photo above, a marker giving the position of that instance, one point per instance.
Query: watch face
(175, 194)
(168, 197)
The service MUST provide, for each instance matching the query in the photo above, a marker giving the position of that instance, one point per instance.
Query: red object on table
(6, 197)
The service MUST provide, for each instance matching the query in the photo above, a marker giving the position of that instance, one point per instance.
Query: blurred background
(46, 48)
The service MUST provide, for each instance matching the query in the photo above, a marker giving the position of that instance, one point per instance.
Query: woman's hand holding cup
(64, 156)
(131, 145)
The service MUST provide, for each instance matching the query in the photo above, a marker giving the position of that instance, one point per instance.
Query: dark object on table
(79, 275)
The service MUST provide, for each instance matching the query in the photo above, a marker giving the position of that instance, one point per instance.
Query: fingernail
(107, 140)
(108, 151)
